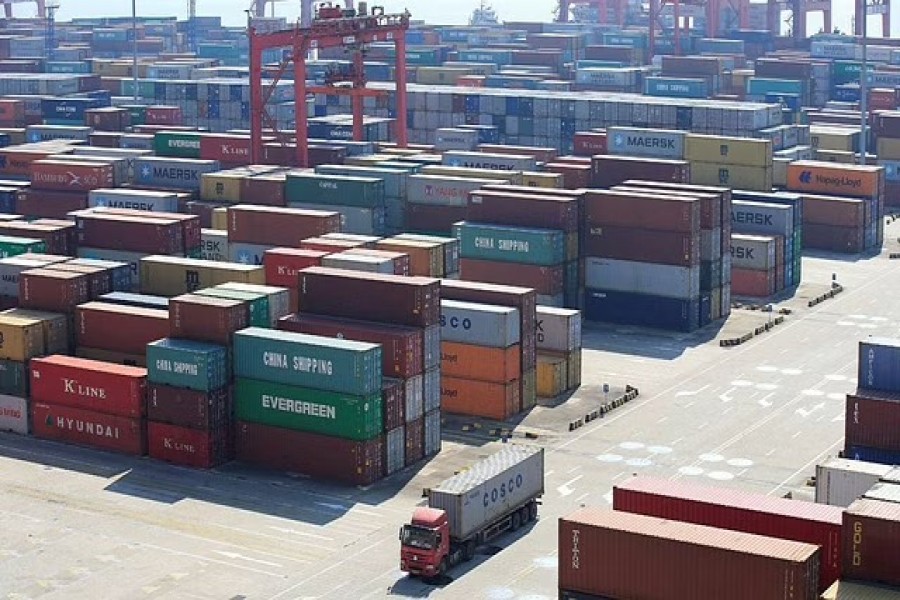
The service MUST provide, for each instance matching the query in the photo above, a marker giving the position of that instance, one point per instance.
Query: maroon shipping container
(118, 328)
(107, 119)
(400, 259)
(756, 284)
(782, 68)
(614, 170)
(622, 555)
(49, 204)
(283, 265)
(89, 385)
(712, 199)
(524, 210)
(88, 428)
(691, 65)
(61, 226)
(834, 210)
(643, 245)
(604, 208)
(872, 541)
(543, 155)
(105, 140)
(135, 234)
(206, 319)
(589, 143)
(415, 441)
(323, 244)
(413, 301)
(833, 238)
(56, 237)
(278, 226)
(203, 211)
(322, 154)
(98, 278)
(575, 176)
(265, 189)
(887, 124)
(55, 291)
(318, 456)
(624, 54)
(71, 176)
(163, 115)
(758, 514)
(873, 420)
(434, 217)
(193, 409)
(191, 229)
(187, 447)
(402, 348)
(547, 281)
(231, 150)
(393, 403)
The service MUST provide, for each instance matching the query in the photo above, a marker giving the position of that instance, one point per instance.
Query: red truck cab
(425, 543)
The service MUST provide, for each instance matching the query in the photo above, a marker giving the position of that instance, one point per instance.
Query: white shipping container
(413, 393)
(279, 298)
(432, 346)
(10, 270)
(643, 278)
(761, 218)
(247, 254)
(432, 432)
(653, 143)
(354, 219)
(149, 200)
(359, 262)
(431, 390)
(472, 499)
(479, 324)
(14, 414)
(754, 252)
(841, 481)
(439, 190)
(558, 329)
(884, 492)
(214, 245)
(494, 162)
(450, 138)
(395, 450)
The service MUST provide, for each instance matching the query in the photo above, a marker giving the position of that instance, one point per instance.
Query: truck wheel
(514, 521)
(469, 550)
(442, 569)
(523, 515)
(532, 511)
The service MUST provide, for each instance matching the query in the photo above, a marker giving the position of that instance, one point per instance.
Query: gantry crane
(333, 27)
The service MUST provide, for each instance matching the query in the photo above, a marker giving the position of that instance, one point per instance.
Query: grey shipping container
(754, 252)
(214, 245)
(653, 279)
(841, 481)
(472, 499)
(10, 269)
(279, 297)
(450, 138)
(479, 324)
(761, 218)
(495, 162)
(394, 179)
(558, 329)
(439, 190)
(638, 141)
(432, 432)
(413, 393)
(133, 259)
(394, 450)
(359, 262)
(363, 221)
(149, 200)
(431, 391)
(884, 492)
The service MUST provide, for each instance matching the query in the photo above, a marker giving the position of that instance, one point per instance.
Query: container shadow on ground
(63, 456)
(646, 343)
(836, 257)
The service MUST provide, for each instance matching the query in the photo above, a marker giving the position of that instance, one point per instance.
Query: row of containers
(871, 429)
(666, 528)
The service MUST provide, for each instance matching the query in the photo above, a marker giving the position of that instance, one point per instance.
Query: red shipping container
(187, 447)
(516, 208)
(434, 217)
(189, 408)
(614, 170)
(107, 119)
(548, 281)
(331, 246)
(134, 234)
(49, 204)
(118, 328)
(873, 420)
(806, 522)
(614, 554)
(756, 284)
(415, 441)
(56, 237)
(54, 291)
(393, 403)
(230, 150)
(574, 176)
(872, 541)
(206, 319)
(71, 176)
(17, 163)
(87, 428)
(833, 210)
(190, 224)
(267, 190)
(283, 265)
(834, 238)
(319, 456)
(278, 226)
(402, 348)
(164, 115)
(589, 143)
(642, 211)
(89, 385)
(643, 245)
(12, 111)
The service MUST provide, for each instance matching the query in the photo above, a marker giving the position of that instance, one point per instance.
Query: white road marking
(236, 556)
(836, 377)
(610, 458)
(764, 400)
(720, 475)
(836, 396)
(639, 462)
(712, 458)
(839, 418)
(566, 489)
(681, 439)
(631, 445)
(767, 369)
(691, 471)
(766, 387)
(796, 435)
(659, 450)
(725, 397)
(608, 496)
(740, 383)
(662, 419)
(806, 412)
(791, 372)
(692, 393)
(814, 393)
(739, 463)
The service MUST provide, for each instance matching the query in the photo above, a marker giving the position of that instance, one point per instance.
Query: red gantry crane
(333, 27)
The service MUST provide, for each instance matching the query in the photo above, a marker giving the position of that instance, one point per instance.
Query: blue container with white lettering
(879, 364)
(172, 173)
(187, 364)
(676, 87)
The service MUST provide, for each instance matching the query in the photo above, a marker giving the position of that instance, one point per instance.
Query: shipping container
(479, 324)
(21, 338)
(278, 226)
(116, 328)
(643, 278)
(516, 208)
(753, 252)
(728, 150)
(13, 378)
(620, 555)
(187, 364)
(645, 211)
(643, 245)
(884, 492)
(854, 590)
(871, 539)
(545, 247)
(546, 281)
(498, 401)
(558, 329)
(187, 447)
(173, 276)
(394, 450)
(171, 173)
(87, 428)
(873, 420)
(192, 409)
(840, 481)
(641, 310)
(89, 385)
(207, 319)
(879, 364)
(14, 416)
(858, 181)
(636, 141)
(481, 363)
(145, 200)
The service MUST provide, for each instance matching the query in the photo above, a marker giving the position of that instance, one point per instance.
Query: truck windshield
(418, 537)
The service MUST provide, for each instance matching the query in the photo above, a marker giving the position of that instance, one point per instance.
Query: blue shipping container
(874, 455)
(642, 310)
(674, 87)
(879, 364)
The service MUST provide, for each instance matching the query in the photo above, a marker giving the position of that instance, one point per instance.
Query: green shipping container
(258, 303)
(544, 247)
(342, 190)
(187, 364)
(14, 246)
(305, 409)
(13, 379)
(177, 144)
(311, 361)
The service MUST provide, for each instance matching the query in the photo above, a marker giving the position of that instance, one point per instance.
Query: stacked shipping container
(558, 339)
(872, 424)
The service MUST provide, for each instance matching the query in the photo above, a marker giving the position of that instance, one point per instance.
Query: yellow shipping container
(833, 138)
(542, 180)
(21, 339)
(441, 75)
(173, 275)
(835, 156)
(551, 375)
(513, 177)
(426, 259)
(58, 336)
(889, 148)
(220, 219)
(728, 150)
(779, 171)
(733, 176)
(224, 186)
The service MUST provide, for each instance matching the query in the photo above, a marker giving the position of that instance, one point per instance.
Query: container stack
(871, 540)
(395, 190)
(265, 304)
(361, 201)
(872, 426)
(886, 128)
(739, 163)
(559, 351)
(403, 317)
(283, 266)
(762, 248)
(89, 403)
(437, 200)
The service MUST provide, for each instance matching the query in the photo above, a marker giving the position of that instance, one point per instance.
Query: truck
(498, 494)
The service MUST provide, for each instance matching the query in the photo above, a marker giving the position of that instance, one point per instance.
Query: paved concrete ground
(82, 524)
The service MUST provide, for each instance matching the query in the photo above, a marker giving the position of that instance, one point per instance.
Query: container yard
(342, 303)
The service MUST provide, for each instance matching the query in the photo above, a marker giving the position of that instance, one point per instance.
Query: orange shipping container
(860, 181)
(425, 259)
(493, 365)
(479, 398)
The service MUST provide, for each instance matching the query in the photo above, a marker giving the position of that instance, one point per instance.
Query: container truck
(496, 495)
